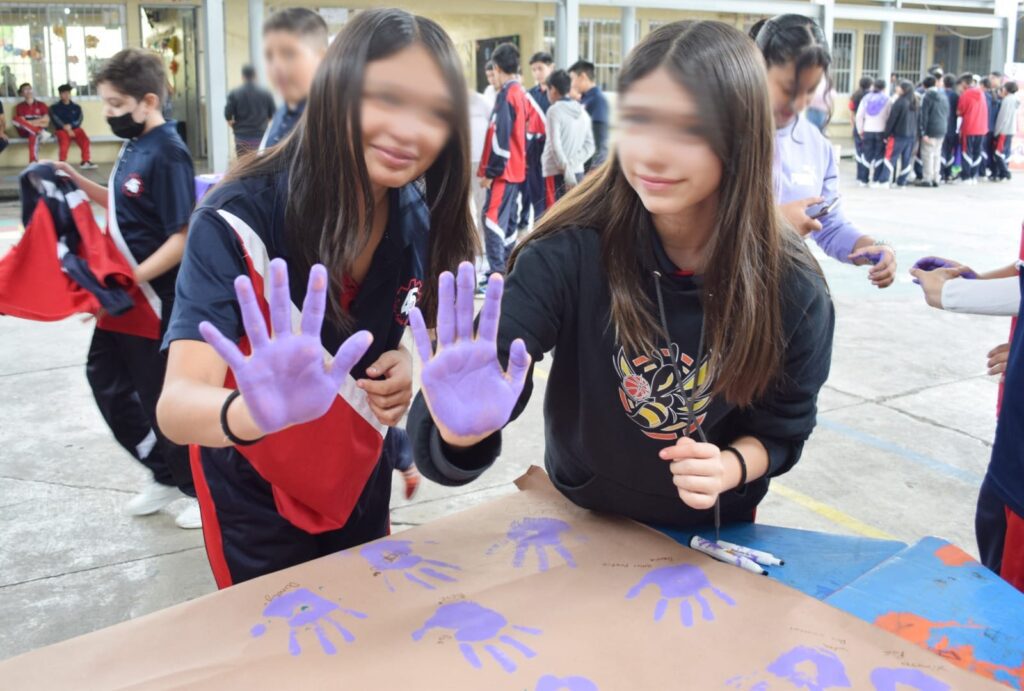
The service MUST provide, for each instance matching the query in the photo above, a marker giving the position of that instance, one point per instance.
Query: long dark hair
(749, 249)
(797, 39)
(907, 87)
(329, 216)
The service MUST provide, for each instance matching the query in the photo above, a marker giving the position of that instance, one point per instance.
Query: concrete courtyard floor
(905, 429)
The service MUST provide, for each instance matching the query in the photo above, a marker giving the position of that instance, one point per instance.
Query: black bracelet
(224, 422)
(741, 488)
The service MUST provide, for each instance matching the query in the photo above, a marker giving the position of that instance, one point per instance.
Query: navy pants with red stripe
(534, 190)
(1000, 534)
(974, 161)
(245, 535)
(500, 223)
(1003, 149)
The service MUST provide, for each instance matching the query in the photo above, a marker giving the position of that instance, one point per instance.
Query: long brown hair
(749, 249)
(329, 216)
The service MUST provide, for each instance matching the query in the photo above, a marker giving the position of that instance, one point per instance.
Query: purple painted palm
(539, 534)
(893, 679)
(683, 582)
(304, 609)
(398, 556)
(474, 625)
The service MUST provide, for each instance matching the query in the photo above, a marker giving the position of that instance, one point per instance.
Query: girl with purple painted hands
(468, 394)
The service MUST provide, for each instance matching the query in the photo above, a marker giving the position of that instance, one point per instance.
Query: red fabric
(25, 113)
(1012, 568)
(64, 142)
(974, 110)
(349, 292)
(890, 143)
(211, 526)
(549, 191)
(316, 470)
(33, 285)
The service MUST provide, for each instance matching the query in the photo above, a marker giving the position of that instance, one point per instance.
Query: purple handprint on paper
(682, 581)
(539, 535)
(549, 682)
(814, 669)
(475, 625)
(397, 555)
(305, 609)
(887, 678)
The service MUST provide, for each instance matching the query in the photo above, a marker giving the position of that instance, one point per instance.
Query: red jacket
(504, 156)
(974, 110)
(25, 113)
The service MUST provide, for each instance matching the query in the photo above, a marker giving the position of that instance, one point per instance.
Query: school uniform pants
(1003, 149)
(902, 149)
(80, 137)
(863, 165)
(244, 146)
(988, 156)
(33, 135)
(533, 192)
(500, 222)
(949, 151)
(972, 156)
(126, 374)
(1000, 534)
(874, 154)
(931, 158)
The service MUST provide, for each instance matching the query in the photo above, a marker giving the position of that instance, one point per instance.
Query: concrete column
(1004, 39)
(561, 56)
(885, 52)
(828, 19)
(256, 38)
(216, 85)
(572, 31)
(628, 30)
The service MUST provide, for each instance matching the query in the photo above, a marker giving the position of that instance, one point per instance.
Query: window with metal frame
(600, 43)
(50, 45)
(908, 57)
(977, 55)
(842, 61)
(870, 62)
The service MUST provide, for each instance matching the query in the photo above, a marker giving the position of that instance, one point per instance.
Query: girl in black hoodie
(690, 330)
(902, 127)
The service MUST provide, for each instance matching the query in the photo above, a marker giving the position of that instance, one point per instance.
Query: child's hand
(390, 395)
(932, 263)
(932, 282)
(697, 472)
(997, 358)
(883, 273)
(796, 214)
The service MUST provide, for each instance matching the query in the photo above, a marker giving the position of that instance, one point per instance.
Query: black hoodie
(607, 413)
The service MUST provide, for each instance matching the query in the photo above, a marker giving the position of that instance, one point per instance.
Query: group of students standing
(689, 327)
(931, 131)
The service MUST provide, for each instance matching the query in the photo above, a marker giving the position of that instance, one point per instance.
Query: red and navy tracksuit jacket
(538, 192)
(315, 488)
(504, 162)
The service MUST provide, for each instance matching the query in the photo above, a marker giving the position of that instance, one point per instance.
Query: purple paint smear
(552, 683)
(304, 608)
(539, 534)
(397, 555)
(827, 670)
(475, 625)
(886, 679)
(682, 582)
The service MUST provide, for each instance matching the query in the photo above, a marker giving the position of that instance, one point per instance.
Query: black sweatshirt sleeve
(784, 418)
(538, 291)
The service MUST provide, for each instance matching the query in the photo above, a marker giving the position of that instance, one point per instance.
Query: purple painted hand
(893, 679)
(932, 263)
(549, 682)
(539, 534)
(803, 667)
(305, 609)
(286, 381)
(468, 394)
(397, 555)
(682, 582)
(475, 625)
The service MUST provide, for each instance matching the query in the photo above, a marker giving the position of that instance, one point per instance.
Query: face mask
(125, 127)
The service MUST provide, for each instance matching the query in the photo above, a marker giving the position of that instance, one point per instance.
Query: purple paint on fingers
(479, 629)
(397, 556)
(814, 669)
(304, 610)
(684, 583)
(900, 679)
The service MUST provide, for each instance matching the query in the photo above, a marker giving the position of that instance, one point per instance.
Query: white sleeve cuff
(998, 297)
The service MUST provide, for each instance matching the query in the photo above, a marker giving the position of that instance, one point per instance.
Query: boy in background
(1005, 127)
(66, 116)
(933, 122)
(535, 196)
(951, 144)
(570, 141)
(31, 118)
(973, 108)
(294, 43)
(149, 201)
(593, 99)
(249, 110)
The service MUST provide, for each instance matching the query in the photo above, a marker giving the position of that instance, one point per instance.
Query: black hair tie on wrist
(224, 422)
(741, 488)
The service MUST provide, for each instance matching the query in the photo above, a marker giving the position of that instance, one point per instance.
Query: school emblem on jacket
(653, 398)
(406, 299)
(132, 186)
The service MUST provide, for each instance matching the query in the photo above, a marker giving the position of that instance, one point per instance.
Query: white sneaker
(88, 165)
(862, 184)
(151, 499)
(190, 518)
(45, 136)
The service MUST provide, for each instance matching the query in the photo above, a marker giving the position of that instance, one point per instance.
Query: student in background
(66, 116)
(570, 142)
(872, 116)
(951, 143)
(31, 118)
(502, 168)
(479, 117)
(991, 87)
(491, 90)
(149, 201)
(973, 110)
(541, 65)
(249, 110)
(294, 43)
(4, 141)
(535, 196)
(933, 122)
(902, 127)
(1005, 128)
(593, 99)
(805, 173)
(863, 170)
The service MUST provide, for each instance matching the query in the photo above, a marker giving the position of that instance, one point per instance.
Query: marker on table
(755, 555)
(718, 552)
